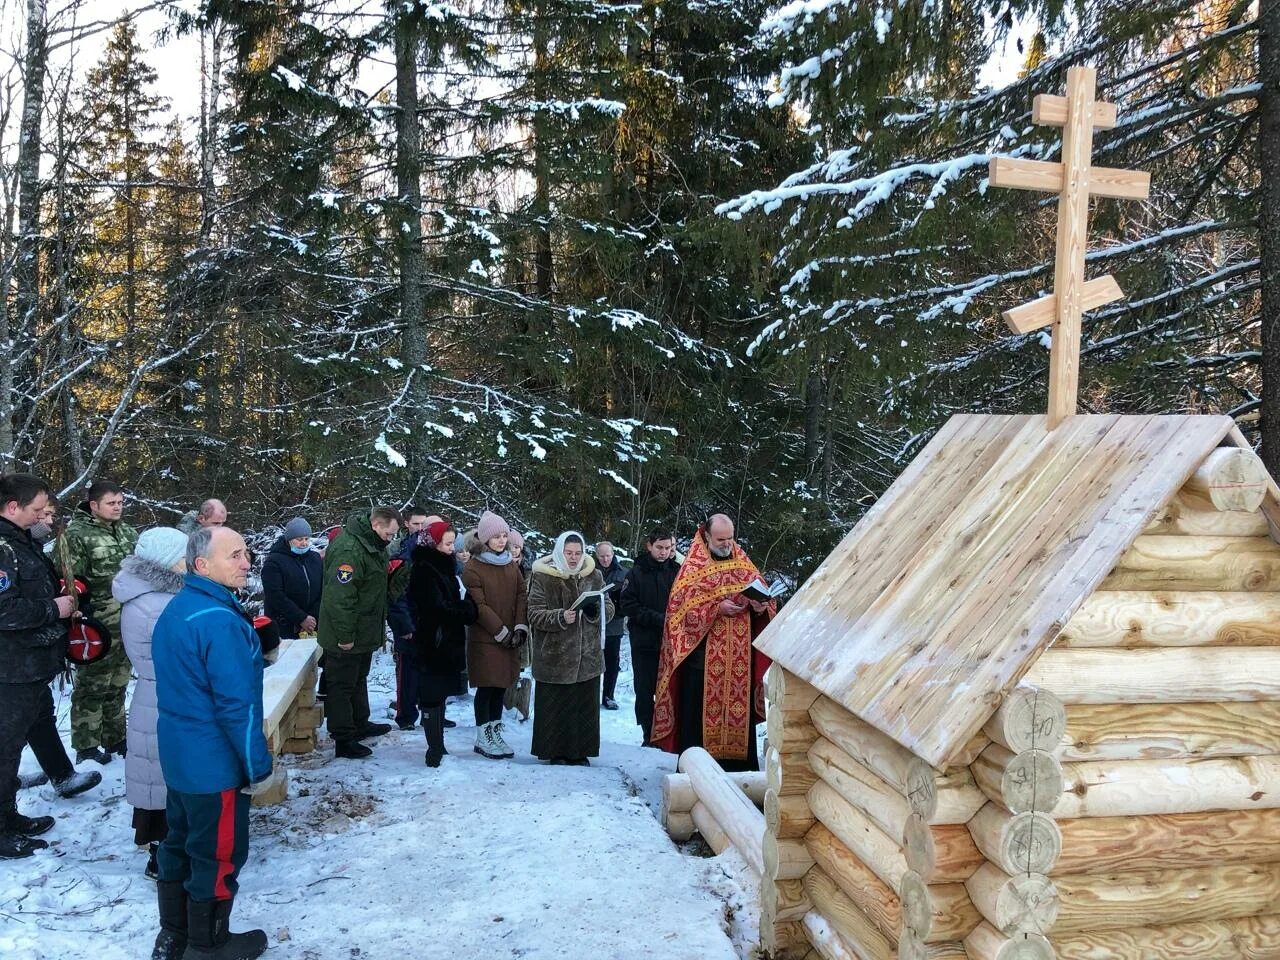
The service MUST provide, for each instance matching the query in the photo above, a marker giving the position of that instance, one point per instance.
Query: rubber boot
(172, 938)
(433, 724)
(209, 936)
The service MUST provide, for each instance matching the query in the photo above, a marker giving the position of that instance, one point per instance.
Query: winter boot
(500, 741)
(433, 724)
(350, 750)
(15, 847)
(609, 703)
(486, 745)
(172, 938)
(449, 724)
(28, 780)
(77, 783)
(209, 936)
(16, 823)
(152, 869)
(96, 754)
(374, 730)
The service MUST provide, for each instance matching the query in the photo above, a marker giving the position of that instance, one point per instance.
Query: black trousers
(406, 689)
(346, 703)
(644, 670)
(488, 704)
(26, 716)
(612, 651)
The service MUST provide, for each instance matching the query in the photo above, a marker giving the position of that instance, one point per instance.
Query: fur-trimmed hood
(548, 566)
(138, 576)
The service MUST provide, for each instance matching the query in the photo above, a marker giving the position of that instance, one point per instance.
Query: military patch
(4, 581)
(345, 572)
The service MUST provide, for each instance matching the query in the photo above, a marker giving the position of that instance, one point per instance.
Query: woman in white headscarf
(566, 651)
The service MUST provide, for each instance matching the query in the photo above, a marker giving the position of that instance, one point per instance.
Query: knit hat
(491, 525)
(163, 546)
(437, 530)
(296, 528)
(515, 541)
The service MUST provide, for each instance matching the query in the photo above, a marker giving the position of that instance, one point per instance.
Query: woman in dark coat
(292, 577)
(567, 657)
(440, 616)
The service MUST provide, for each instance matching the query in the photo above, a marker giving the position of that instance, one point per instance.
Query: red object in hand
(88, 641)
(81, 587)
(394, 565)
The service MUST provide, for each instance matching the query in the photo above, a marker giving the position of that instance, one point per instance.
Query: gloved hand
(502, 637)
(522, 635)
(254, 789)
(591, 608)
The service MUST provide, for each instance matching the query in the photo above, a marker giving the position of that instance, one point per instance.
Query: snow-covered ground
(388, 859)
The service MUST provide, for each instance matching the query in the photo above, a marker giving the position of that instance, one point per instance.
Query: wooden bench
(290, 714)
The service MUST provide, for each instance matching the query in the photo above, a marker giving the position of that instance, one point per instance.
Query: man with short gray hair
(208, 665)
(613, 573)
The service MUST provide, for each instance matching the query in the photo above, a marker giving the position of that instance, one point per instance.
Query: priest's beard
(724, 554)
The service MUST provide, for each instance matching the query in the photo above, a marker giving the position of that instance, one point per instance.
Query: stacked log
(290, 712)
(1169, 819)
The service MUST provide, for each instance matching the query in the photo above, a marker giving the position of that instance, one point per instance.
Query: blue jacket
(208, 665)
(400, 611)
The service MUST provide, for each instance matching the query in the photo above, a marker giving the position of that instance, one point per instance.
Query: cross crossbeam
(1075, 180)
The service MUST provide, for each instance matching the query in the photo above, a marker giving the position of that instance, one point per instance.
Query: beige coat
(564, 652)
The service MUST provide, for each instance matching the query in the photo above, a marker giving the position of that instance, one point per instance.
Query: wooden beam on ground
(731, 808)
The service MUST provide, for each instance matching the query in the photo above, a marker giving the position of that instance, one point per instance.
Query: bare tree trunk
(66, 308)
(1269, 225)
(210, 93)
(413, 335)
(27, 264)
(544, 279)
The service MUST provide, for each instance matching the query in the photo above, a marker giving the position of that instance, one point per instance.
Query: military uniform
(94, 549)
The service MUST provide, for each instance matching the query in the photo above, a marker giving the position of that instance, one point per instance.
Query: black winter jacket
(616, 574)
(644, 599)
(400, 610)
(33, 640)
(291, 586)
(435, 595)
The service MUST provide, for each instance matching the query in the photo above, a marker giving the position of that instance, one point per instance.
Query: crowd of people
(463, 610)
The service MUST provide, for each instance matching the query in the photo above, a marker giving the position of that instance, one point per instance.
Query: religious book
(584, 597)
(762, 592)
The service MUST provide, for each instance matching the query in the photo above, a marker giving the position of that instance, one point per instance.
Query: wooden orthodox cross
(1075, 180)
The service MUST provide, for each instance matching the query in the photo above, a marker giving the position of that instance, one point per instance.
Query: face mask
(41, 532)
(300, 551)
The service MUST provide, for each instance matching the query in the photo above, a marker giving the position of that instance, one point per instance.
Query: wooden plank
(1170, 675)
(1159, 897)
(1046, 176)
(1051, 110)
(1171, 841)
(1144, 787)
(1248, 938)
(1198, 563)
(801, 635)
(1201, 618)
(282, 681)
(1038, 313)
(1189, 516)
(277, 791)
(1172, 731)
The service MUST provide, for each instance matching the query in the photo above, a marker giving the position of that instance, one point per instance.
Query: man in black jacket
(644, 603)
(614, 573)
(33, 649)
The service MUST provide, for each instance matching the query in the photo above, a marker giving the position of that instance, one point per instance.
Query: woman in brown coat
(567, 658)
(494, 583)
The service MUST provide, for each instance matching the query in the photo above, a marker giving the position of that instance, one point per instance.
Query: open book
(584, 597)
(762, 592)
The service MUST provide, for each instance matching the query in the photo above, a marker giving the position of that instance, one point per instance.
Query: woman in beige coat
(493, 581)
(567, 658)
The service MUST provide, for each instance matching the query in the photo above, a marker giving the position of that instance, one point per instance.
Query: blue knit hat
(163, 546)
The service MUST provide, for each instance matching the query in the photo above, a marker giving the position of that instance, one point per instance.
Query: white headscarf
(557, 554)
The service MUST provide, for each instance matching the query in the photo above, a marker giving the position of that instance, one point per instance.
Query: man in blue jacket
(213, 753)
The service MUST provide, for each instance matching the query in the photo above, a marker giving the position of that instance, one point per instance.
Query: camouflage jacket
(94, 550)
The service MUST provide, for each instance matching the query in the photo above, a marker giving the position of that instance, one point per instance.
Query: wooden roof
(950, 587)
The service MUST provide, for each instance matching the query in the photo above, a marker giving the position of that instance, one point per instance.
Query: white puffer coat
(144, 588)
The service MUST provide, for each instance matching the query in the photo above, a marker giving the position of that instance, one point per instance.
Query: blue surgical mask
(300, 551)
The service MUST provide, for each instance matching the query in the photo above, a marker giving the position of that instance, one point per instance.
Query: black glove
(590, 608)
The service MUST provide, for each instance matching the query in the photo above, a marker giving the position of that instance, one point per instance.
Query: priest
(710, 679)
